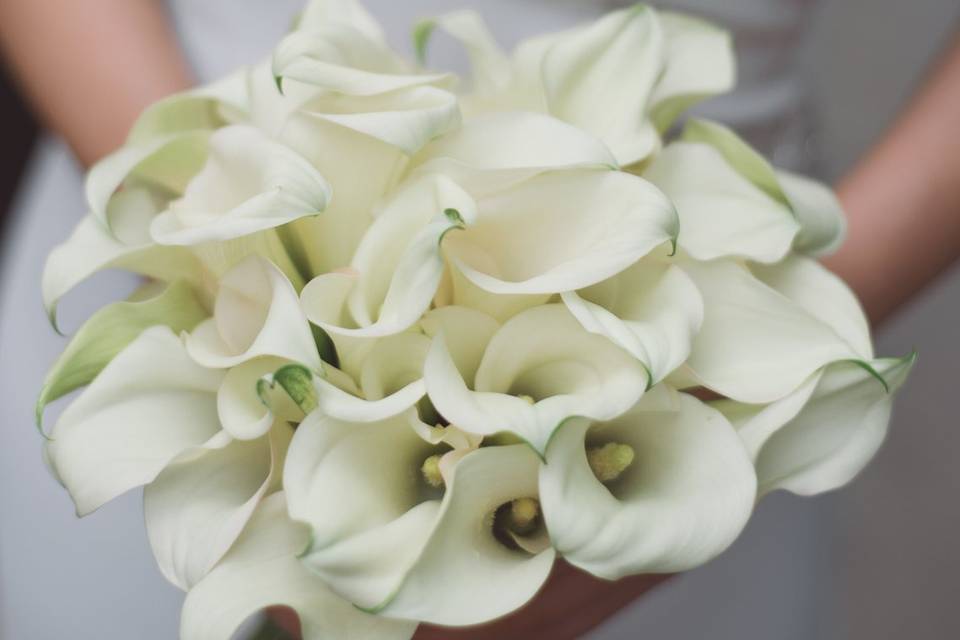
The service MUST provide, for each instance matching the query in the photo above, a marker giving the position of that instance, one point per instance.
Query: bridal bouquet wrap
(403, 341)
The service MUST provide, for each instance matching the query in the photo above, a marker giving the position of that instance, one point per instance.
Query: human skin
(902, 201)
(89, 68)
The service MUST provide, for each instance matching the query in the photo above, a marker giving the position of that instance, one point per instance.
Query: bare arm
(903, 199)
(90, 67)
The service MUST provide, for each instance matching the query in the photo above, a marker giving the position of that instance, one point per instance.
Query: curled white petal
(198, 505)
(257, 313)
(357, 485)
(757, 345)
(92, 247)
(686, 496)
(262, 570)
(166, 161)
(407, 118)
(600, 78)
(148, 405)
(722, 213)
(596, 223)
(398, 265)
(821, 436)
(652, 309)
(538, 370)
(465, 575)
(248, 184)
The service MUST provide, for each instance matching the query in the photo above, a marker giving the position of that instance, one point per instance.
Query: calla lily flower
(664, 487)
(247, 410)
(110, 330)
(197, 506)
(248, 184)
(92, 247)
(765, 333)
(652, 309)
(673, 62)
(498, 150)
(596, 223)
(400, 545)
(732, 203)
(204, 108)
(823, 434)
(538, 370)
(150, 418)
(256, 313)
(337, 56)
(149, 405)
(398, 265)
(262, 570)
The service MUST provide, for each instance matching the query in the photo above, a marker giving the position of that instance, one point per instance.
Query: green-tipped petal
(109, 331)
(150, 404)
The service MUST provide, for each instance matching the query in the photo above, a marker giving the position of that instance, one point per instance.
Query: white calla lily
(758, 344)
(150, 404)
(256, 313)
(497, 150)
(109, 331)
(626, 43)
(319, 13)
(248, 184)
(406, 118)
(538, 370)
(92, 247)
(823, 225)
(492, 70)
(359, 487)
(596, 223)
(722, 213)
(167, 161)
(466, 575)
(393, 545)
(341, 58)
(733, 203)
(390, 382)
(204, 108)
(398, 265)
(823, 295)
(698, 63)
(262, 570)
(673, 62)
(652, 309)
(821, 436)
(246, 410)
(679, 499)
(199, 504)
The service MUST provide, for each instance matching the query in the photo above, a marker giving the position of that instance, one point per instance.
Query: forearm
(90, 67)
(903, 199)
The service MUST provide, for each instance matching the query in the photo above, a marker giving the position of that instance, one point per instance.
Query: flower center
(608, 462)
(523, 516)
(430, 469)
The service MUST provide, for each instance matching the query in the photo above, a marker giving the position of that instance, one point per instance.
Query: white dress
(65, 578)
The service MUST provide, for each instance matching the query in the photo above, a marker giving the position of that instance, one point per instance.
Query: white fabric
(97, 576)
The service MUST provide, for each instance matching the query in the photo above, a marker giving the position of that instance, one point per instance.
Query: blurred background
(893, 562)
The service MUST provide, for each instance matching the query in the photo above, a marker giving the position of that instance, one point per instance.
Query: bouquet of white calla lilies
(404, 343)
